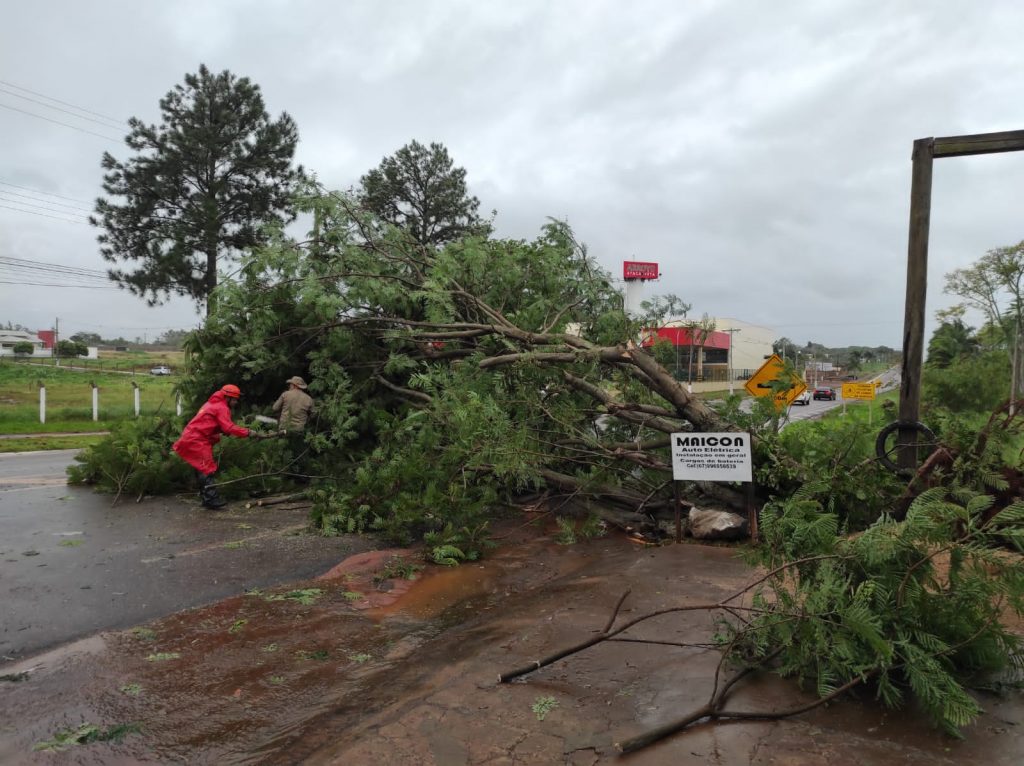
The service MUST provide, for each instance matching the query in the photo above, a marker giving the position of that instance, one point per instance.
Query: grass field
(139, 362)
(69, 398)
(46, 443)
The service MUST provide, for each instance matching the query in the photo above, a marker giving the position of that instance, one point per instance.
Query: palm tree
(950, 342)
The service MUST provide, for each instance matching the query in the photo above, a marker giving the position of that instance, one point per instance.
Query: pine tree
(420, 190)
(200, 187)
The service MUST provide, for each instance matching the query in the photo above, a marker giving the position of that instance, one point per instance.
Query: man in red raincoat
(196, 443)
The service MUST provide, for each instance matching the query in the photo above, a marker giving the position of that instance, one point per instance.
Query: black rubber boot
(208, 493)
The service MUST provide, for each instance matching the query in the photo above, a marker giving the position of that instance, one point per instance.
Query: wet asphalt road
(72, 565)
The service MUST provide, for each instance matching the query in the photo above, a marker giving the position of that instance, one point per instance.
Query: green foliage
(163, 656)
(837, 456)
(135, 459)
(420, 190)
(84, 735)
(201, 187)
(451, 546)
(912, 608)
(397, 568)
(71, 348)
(968, 384)
(566, 531)
(542, 706)
(951, 342)
(23, 347)
(571, 531)
(305, 596)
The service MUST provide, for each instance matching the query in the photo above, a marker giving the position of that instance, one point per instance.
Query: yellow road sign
(859, 391)
(774, 369)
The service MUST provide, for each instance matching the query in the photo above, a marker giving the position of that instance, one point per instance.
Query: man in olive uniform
(293, 409)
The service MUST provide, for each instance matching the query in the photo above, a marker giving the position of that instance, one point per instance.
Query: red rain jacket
(196, 443)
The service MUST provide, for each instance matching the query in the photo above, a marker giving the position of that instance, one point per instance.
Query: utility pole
(56, 341)
(728, 363)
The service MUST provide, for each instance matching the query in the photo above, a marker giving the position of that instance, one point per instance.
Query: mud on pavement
(356, 669)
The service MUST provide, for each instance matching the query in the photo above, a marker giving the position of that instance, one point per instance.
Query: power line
(41, 207)
(55, 284)
(105, 124)
(42, 264)
(67, 277)
(51, 98)
(44, 201)
(44, 215)
(58, 122)
(49, 194)
(70, 275)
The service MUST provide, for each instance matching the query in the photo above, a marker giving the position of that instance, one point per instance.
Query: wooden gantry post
(925, 151)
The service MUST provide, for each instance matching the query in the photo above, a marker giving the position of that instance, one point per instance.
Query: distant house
(10, 338)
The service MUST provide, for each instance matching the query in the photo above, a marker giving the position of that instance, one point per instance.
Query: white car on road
(161, 370)
(804, 398)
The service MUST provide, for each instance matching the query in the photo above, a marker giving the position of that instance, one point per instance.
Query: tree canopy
(419, 189)
(994, 285)
(199, 188)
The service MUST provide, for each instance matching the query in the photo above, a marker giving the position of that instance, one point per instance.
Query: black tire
(884, 455)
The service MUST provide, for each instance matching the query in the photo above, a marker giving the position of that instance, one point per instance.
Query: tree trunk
(211, 279)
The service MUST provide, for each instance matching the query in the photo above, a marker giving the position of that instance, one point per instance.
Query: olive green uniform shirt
(295, 407)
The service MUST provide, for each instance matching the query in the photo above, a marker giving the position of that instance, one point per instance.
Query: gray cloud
(759, 151)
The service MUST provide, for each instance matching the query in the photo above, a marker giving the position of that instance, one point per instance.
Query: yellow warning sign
(859, 391)
(772, 371)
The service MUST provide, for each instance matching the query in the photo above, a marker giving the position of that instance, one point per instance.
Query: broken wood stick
(506, 677)
(276, 500)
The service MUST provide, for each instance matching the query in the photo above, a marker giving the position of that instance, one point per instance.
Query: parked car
(825, 393)
(804, 398)
(160, 370)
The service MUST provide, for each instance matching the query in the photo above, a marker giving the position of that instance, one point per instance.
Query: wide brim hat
(298, 382)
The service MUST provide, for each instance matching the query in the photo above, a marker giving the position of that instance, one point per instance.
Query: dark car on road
(825, 393)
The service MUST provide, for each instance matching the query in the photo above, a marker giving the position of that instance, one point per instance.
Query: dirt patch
(329, 672)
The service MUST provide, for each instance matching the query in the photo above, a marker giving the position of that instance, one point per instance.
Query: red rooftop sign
(639, 270)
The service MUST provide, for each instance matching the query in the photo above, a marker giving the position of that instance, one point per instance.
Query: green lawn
(117, 361)
(69, 398)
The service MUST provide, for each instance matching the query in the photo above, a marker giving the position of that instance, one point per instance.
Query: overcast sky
(760, 152)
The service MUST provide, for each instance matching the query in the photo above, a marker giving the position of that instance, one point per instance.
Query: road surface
(72, 564)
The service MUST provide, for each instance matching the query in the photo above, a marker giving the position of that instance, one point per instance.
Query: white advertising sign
(711, 457)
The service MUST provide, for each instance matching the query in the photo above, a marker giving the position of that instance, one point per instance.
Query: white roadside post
(732, 334)
(135, 387)
(42, 403)
(95, 402)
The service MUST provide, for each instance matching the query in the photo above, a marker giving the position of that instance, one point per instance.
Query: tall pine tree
(199, 188)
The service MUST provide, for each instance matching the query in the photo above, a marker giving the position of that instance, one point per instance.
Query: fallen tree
(448, 380)
(910, 609)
